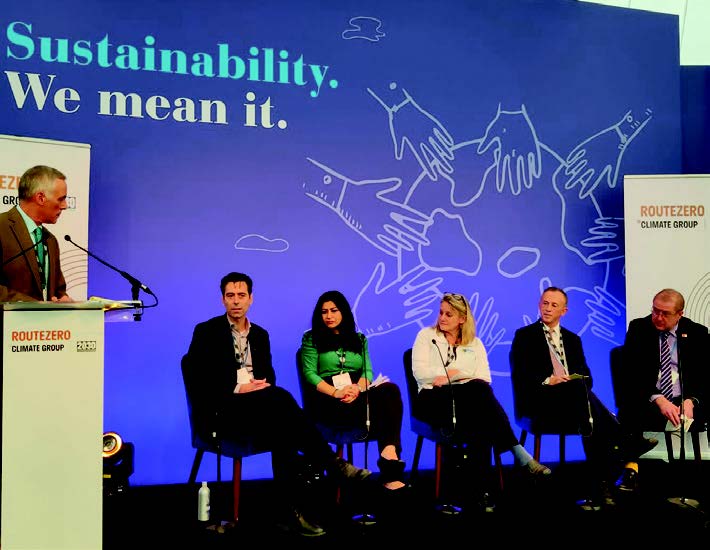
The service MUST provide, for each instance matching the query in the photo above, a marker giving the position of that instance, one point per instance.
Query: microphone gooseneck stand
(365, 518)
(136, 285)
(448, 508)
(682, 501)
(26, 250)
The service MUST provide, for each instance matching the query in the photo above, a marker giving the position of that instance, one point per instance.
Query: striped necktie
(40, 255)
(666, 371)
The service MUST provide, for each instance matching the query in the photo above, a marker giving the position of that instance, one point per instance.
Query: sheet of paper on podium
(119, 310)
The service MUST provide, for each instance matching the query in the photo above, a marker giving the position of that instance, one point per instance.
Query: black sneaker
(296, 523)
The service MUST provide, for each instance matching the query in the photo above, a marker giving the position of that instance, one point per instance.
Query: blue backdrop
(392, 151)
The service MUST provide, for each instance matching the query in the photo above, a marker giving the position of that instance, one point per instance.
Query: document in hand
(686, 425)
(381, 378)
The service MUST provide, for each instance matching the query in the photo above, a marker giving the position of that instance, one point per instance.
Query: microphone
(453, 400)
(136, 285)
(24, 251)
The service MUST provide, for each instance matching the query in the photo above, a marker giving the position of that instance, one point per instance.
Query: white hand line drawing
(415, 129)
(384, 307)
(598, 158)
(363, 205)
(516, 149)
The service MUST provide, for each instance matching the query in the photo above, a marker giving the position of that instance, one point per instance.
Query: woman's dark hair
(324, 338)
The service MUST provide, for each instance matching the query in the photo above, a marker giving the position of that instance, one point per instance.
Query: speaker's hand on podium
(65, 298)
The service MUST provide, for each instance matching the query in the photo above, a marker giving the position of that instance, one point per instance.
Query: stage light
(118, 463)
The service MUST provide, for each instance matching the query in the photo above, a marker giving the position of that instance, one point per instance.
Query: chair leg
(536, 447)
(195, 466)
(499, 467)
(437, 471)
(669, 445)
(563, 440)
(339, 448)
(417, 455)
(350, 453)
(523, 437)
(697, 452)
(236, 483)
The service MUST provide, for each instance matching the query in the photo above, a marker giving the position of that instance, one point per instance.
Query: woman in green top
(336, 363)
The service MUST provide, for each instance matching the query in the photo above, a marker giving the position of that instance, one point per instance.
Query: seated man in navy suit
(658, 349)
(548, 361)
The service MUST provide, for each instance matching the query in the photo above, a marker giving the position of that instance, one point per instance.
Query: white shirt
(471, 360)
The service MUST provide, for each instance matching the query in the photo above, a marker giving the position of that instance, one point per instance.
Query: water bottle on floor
(203, 503)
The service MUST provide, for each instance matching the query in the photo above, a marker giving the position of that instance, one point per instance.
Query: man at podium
(29, 252)
(30, 269)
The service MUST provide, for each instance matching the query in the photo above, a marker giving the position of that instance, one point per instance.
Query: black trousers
(479, 414)
(386, 411)
(273, 417)
(569, 407)
(481, 425)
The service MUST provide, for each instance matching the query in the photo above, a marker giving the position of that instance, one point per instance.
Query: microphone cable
(451, 388)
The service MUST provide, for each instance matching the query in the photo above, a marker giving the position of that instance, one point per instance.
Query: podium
(52, 425)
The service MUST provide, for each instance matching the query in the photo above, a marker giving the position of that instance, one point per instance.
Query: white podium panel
(52, 418)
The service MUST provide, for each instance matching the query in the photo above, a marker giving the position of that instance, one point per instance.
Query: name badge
(341, 380)
(243, 376)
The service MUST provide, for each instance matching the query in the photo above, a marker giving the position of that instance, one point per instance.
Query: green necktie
(40, 254)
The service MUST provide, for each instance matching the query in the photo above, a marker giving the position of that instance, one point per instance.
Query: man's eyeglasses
(660, 313)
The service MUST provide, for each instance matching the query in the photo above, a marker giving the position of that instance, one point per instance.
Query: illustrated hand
(414, 128)
(597, 159)
(486, 320)
(607, 240)
(517, 153)
(601, 242)
(607, 315)
(380, 308)
(365, 206)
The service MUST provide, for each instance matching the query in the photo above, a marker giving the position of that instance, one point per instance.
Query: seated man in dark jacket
(549, 366)
(659, 348)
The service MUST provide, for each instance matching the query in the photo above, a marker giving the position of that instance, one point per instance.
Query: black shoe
(345, 470)
(607, 498)
(628, 481)
(589, 505)
(486, 504)
(296, 523)
(448, 509)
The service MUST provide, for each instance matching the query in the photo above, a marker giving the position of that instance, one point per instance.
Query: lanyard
(559, 352)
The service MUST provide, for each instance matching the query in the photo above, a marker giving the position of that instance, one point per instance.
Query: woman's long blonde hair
(460, 304)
